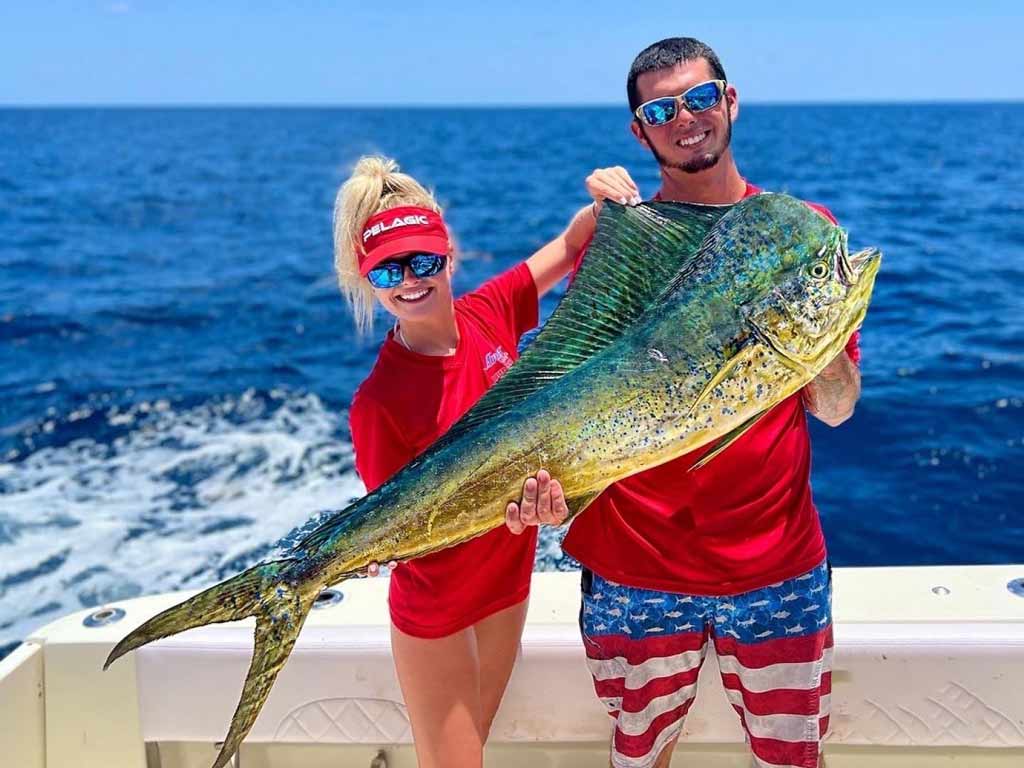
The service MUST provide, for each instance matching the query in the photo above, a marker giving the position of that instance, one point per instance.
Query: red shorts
(439, 594)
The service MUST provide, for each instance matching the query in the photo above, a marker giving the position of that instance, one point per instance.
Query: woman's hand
(612, 184)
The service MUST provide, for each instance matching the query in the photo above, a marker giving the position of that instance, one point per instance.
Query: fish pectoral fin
(794, 362)
(727, 439)
(744, 357)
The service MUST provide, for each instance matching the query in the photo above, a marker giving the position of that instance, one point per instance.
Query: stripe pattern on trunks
(774, 645)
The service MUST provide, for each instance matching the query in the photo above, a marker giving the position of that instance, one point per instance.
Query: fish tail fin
(231, 600)
(276, 633)
(280, 605)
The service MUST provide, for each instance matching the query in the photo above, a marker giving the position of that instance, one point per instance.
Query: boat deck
(928, 671)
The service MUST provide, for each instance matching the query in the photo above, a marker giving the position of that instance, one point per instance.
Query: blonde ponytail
(376, 185)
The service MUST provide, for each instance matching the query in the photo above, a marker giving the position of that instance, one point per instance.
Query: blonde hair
(376, 185)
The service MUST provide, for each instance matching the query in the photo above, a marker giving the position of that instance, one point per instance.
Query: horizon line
(481, 106)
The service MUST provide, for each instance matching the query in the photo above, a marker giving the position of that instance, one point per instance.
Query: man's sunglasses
(389, 274)
(663, 111)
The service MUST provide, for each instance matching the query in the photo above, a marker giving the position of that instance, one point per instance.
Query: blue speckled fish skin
(685, 324)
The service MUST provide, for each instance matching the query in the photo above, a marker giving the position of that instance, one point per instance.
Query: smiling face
(419, 299)
(693, 142)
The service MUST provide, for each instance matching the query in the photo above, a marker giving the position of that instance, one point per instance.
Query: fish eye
(819, 271)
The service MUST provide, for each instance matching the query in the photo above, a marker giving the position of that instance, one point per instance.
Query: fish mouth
(862, 264)
(861, 259)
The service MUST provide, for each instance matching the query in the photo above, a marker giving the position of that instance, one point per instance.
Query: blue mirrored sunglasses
(389, 274)
(700, 98)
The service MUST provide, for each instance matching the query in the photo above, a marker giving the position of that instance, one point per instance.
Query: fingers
(559, 507)
(626, 181)
(544, 515)
(613, 184)
(543, 503)
(528, 505)
(604, 185)
(374, 569)
(512, 520)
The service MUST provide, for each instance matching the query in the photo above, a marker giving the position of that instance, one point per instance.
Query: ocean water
(177, 361)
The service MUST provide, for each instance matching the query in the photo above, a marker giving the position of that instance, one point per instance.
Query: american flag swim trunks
(774, 645)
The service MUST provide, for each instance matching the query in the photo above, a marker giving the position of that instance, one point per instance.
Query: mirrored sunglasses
(664, 110)
(389, 274)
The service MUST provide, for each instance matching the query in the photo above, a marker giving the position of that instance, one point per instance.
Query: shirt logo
(496, 364)
(497, 356)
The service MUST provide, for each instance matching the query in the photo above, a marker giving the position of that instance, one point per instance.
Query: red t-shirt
(407, 402)
(741, 522)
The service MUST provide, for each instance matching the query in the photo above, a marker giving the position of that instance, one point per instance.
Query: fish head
(817, 296)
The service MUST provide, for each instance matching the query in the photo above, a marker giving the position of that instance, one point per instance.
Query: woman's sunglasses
(663, 111)
(389, 274)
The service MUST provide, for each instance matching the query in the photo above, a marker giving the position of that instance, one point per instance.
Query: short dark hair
(665, 54)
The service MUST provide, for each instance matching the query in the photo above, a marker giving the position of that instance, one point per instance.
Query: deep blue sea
(177, 361)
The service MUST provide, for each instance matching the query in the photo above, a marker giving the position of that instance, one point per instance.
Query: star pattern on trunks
(791, 608)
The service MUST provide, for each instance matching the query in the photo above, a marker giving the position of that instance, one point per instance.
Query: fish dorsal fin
(634, 255)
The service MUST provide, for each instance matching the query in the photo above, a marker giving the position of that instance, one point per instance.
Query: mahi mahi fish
(683, 326)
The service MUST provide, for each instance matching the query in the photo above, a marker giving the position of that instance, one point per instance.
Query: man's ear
(638, 133)
(732, 100)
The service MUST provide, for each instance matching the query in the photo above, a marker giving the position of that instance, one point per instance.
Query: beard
(698, 163)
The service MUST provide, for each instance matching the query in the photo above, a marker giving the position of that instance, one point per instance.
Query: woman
(457, 615)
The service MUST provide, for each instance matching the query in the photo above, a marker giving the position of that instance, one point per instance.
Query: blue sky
(486, 52)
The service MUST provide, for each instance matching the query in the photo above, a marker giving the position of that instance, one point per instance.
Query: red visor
(401, 230)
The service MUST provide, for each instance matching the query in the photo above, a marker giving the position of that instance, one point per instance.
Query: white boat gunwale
(929, 661)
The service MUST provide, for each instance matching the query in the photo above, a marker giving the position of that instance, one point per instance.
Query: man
(730, 553)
